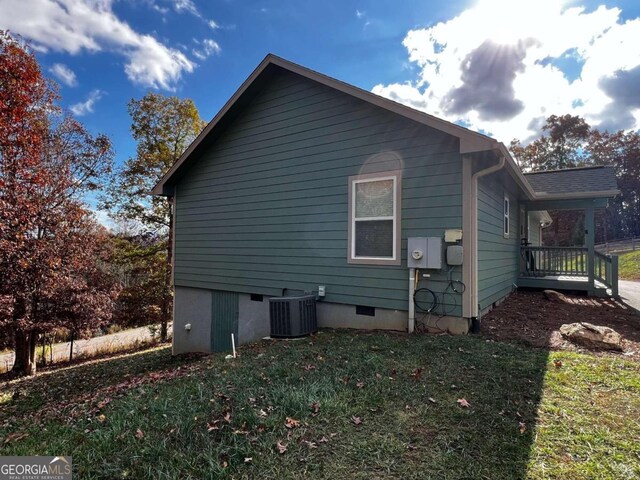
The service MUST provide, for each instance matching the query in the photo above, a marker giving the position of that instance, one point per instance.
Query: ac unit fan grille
(293, 316)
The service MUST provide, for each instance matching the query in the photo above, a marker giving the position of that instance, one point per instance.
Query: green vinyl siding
(264, 208)
(497, 256)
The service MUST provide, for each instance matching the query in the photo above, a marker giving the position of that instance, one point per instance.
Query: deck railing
(554, 261)
(569, 262)
(606, 270)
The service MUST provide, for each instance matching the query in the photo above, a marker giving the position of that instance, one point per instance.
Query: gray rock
(592, 336)
(554, 296)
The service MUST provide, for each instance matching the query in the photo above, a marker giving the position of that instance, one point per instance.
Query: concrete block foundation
(193, 306)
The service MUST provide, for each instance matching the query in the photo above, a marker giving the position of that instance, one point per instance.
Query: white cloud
(359, 14)
(207, 48)
(64, 74)
(186, 6)
(504, 73)
(83, 108)
(159, 9)
(213, 25)
(74, 26)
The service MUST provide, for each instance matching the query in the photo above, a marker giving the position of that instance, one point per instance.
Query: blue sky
(497, 66)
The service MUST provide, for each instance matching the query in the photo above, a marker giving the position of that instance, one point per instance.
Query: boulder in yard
(592, 336)
(554, 296)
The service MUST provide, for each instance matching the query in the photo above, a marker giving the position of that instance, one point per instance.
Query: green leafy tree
(163, 127)
(560, 145)
(139, 262)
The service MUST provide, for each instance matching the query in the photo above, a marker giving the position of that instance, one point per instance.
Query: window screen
(374, 238)
(374, 217)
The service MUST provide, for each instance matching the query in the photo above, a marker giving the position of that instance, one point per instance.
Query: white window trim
(397, 189)
(506, 221)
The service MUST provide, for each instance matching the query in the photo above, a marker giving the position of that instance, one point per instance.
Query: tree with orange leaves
(51, 273)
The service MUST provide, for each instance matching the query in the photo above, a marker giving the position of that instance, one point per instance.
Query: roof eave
(577, 195)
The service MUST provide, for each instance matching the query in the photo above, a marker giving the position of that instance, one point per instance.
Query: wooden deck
(564, 282)
(568, 268)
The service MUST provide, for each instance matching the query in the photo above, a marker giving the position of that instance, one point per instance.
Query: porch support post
(590, 235)
(614, 276)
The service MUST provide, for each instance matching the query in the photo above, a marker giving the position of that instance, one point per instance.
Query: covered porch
(579, 268)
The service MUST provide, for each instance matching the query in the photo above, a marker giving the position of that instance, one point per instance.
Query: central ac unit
(293, 316)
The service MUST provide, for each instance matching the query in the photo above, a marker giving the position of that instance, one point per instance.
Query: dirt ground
(531, 318)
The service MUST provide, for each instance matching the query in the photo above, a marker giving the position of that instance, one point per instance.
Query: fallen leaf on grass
(310, 444)
(432, 400)
(227, 417)
(248, 459)
(315, 408)
(522, 427)
(291, 423)
(102, 418)
(463, 403)
(139, 433)
(309, 367)
(360, 384)
(323, 440)
(557, 363)
(282, 447)
(356, 420)
(14, 437)
(417, 373)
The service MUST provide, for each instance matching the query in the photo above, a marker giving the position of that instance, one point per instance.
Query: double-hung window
(374, 218)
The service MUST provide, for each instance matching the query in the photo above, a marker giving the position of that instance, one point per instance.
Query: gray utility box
(424, 252)
(454, 255)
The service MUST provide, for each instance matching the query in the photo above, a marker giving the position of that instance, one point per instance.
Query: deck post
(590, 234)
(614, 276)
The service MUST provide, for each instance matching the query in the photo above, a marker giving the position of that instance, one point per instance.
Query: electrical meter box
(424, 252)
(454, 255)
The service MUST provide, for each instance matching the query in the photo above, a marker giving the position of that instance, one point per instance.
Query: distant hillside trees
(163, 127)
(568, 141)
(139, 264)
(52, 252)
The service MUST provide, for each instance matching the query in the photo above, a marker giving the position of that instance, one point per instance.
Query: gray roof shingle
(574, 180)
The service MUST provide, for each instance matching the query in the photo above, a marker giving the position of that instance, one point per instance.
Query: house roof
(470, 141)
(598, 181)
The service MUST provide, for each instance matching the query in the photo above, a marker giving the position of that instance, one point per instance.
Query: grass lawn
(338, 405)
(629, 265)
